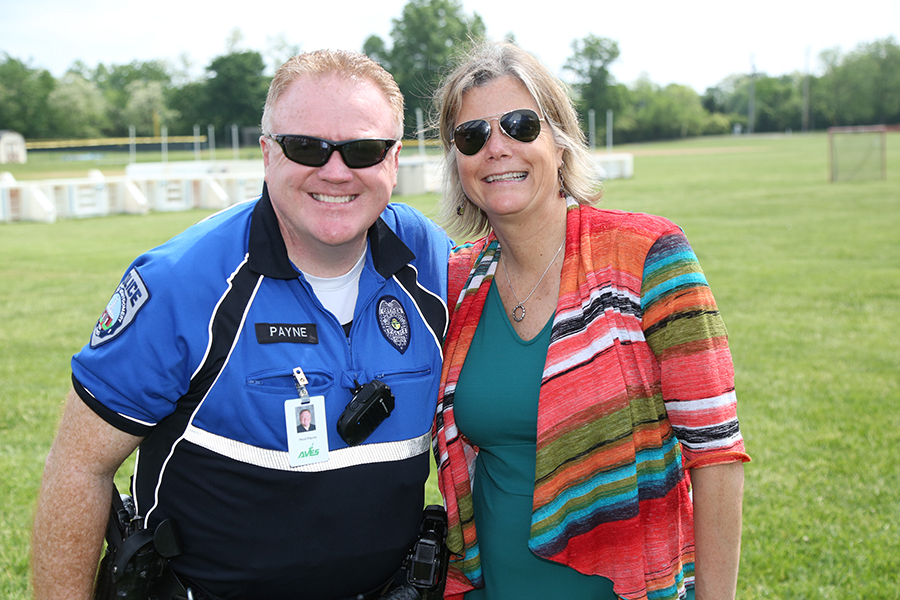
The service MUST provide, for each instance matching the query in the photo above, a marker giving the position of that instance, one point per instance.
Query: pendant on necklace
(516, 314)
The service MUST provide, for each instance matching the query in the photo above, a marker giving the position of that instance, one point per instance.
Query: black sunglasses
(315, 152)
(523, 125)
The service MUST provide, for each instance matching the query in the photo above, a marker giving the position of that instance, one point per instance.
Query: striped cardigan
(638, 386)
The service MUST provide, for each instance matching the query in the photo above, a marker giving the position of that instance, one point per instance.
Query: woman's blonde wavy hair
(481, 64)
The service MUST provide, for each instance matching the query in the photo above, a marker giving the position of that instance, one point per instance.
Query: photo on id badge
(307, 432)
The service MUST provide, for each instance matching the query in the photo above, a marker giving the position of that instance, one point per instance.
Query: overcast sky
(696, 43)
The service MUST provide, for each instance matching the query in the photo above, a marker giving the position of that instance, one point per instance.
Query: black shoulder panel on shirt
(389, 253)
(433, 309)
(225, 327)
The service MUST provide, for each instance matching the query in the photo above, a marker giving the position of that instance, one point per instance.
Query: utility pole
(609, 129)
(592, 128)
(805, 117)
(751, 116)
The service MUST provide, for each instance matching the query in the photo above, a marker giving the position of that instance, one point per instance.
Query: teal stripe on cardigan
(686, 280)
(554, 535)
(643, 480)
(644, 455)
(668, 592)
(622, 474)
(650, 268)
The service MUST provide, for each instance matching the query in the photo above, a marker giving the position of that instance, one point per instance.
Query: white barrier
(144, 188)
(614, 165)
(185, 185)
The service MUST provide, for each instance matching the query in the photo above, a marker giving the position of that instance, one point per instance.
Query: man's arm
(718, 496)
(73, 506)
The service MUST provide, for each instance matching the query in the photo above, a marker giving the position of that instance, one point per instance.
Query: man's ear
(396, 160)
(265, 147)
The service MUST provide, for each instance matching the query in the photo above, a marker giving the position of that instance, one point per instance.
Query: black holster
(135, 564)
(424, 572)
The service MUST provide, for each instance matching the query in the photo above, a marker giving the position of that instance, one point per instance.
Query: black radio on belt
(427, 562)
(372, 403)
(424, 572)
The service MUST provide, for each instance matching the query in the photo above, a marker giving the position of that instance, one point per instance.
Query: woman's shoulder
(466, 252)
(603, 218)
(462, 259)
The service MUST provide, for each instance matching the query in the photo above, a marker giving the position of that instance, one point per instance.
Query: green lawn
(807, 276)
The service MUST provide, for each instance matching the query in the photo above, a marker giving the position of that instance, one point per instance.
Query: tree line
(859, 87)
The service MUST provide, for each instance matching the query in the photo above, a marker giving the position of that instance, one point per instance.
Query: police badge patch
(126, 301)
(394, 323)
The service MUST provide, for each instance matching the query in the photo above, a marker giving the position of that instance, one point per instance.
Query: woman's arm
(718, 495)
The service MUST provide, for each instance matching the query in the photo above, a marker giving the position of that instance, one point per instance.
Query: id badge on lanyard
(306, 425)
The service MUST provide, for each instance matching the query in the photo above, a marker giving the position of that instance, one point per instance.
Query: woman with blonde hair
(587, 381)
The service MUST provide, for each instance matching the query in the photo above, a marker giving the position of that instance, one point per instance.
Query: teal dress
(496, 409)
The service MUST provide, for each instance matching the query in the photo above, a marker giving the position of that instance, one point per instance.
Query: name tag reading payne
(307, 430)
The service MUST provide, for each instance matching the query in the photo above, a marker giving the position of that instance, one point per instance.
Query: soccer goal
(857, 153)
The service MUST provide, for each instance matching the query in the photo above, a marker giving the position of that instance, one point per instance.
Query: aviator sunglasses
(522, 125)
(314, 152)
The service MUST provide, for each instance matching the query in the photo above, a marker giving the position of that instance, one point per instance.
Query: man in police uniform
(213, 341)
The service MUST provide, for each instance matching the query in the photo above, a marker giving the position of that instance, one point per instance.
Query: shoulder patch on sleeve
(126, 301)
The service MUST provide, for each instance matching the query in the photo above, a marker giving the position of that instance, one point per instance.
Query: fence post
(420, 131)
(196, 142)
(609, 129)
(211, 134)
(592, 128)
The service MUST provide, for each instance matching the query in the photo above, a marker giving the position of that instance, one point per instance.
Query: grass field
(807, 276)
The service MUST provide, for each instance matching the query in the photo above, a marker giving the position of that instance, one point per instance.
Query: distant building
(12, 147)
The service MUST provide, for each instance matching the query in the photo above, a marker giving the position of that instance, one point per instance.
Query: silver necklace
(516, 314)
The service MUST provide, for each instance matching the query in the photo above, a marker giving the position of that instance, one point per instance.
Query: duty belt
(186, 590)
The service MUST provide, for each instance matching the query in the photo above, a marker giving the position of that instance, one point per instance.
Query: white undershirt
(338, 294)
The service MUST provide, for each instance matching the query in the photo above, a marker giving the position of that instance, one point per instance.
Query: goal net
(857, 153)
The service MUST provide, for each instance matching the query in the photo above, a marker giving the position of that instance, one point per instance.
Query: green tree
(779, 103)
(188, 104)
(778, 100)
(862, 87)
(594, 84)
(25, 99)
(834, 91)
(146, 108)
(656, 113)
(885, 55)
(423, 41)
(731, 97)
(79, 108)
(715, 98)
(874, 72)
(113, 82)
(236, 91)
